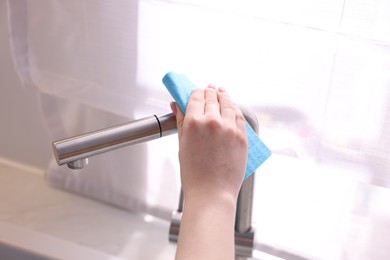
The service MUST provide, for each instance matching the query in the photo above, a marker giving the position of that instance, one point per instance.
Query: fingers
(211, 101)
(230, 112)
(227, 109)
(240, 119)
(196, 103)
(203, 102)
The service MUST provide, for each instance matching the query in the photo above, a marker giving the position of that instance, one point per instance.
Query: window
(318, 75)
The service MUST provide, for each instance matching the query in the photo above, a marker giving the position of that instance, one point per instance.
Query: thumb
(179, 116)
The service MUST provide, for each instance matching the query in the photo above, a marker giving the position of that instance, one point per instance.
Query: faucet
(75, 151)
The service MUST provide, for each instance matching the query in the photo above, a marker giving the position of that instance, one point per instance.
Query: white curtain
(317, 73)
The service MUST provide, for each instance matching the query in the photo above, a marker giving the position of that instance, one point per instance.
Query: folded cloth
(180, 88)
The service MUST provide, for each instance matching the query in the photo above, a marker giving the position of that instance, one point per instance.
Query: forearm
(207, 228)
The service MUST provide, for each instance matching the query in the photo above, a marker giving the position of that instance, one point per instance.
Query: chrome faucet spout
(74, 151)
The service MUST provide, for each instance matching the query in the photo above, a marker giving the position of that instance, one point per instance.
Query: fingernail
(212, 86)
(221, 89)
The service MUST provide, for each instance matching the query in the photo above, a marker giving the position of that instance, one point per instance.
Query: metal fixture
(75, 152)
(78, 164)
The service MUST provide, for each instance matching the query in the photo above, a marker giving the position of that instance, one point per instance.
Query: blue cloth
(180, 88)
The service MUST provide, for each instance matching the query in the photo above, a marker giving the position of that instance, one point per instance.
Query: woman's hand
(212, 144)
(213, 154)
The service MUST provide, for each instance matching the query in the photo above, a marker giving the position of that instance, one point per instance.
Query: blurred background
(316, 74)
(20, 112)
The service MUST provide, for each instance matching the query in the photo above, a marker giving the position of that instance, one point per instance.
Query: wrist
(219, 200)
(207, 219)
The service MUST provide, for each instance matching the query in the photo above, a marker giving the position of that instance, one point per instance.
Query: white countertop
(30, 208)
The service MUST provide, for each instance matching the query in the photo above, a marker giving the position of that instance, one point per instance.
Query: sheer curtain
(317, 73)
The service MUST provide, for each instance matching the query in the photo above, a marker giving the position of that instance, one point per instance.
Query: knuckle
(243, 140)
(192, 122)
(196, 95)
(210, 90)
(213, 124)
(230, 133)
(210, 99)
(228, 107)
(241, 118)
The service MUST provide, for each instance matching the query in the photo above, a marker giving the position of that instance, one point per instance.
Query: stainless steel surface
(174, 228)
(167, 124)
(244, 243)
(79, 164)
(244, 206)
(74, 150)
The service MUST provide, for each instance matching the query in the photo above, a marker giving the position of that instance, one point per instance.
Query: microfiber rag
(180, 88)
